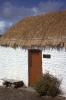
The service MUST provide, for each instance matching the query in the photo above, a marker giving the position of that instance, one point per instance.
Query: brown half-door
(35, 66)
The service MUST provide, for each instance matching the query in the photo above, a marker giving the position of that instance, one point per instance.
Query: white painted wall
(14, 64)
(55, 65)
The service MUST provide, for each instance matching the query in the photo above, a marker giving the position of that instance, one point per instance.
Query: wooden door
(35, 66)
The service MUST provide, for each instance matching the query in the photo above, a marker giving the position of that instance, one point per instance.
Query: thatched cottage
(33, 46)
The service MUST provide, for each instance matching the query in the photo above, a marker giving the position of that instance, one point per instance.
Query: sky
(13, 10)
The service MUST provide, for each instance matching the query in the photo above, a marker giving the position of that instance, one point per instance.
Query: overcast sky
(13, 10)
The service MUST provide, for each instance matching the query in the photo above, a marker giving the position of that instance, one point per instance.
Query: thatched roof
(42, 30)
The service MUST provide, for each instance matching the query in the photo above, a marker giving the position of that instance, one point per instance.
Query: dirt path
(19, 94)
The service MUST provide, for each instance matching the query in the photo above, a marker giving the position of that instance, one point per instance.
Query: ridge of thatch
(42, 30)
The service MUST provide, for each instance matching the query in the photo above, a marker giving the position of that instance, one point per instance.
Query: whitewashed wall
(55, 65)
(14, 64)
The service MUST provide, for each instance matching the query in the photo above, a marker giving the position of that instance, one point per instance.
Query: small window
(46, 56)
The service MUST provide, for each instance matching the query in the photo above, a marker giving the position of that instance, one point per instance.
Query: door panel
(35, 66)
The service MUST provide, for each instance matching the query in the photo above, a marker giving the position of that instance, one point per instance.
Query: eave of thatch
(33, 43)
(40, 31)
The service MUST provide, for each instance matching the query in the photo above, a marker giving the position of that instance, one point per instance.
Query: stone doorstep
(30, 89)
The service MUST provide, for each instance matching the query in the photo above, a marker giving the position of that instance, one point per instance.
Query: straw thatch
(42, 30)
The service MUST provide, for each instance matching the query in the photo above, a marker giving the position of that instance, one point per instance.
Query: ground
(21, 94)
